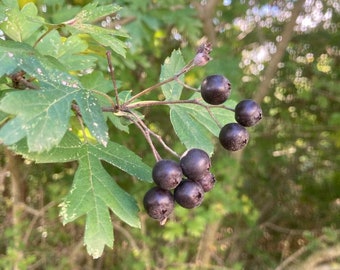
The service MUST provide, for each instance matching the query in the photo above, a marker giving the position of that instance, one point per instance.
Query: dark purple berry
(195, 162)
(215, 89)
(233, 136)
(189, 194)
(158, 203)
(207, 181)
(248, 113)
(167, 174)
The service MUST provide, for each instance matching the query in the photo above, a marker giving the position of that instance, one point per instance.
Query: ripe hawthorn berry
(189, 194)
(158, 203)
(167, 174)
(248, 113)
(194, 163)
(215, 89)
(207, 181)
(233, 136)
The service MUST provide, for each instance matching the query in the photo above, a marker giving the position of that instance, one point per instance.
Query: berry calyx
(215, 89)
(233, 137)
(167, 174)
(194, 163)
(158, 203)
(248, 113)
(207, 181)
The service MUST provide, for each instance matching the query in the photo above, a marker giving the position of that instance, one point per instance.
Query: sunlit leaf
(21, 24)
(92, 11)
(172, 65)
(42, 115)
(190, 132)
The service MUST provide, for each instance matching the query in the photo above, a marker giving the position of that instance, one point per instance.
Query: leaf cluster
(56, 105)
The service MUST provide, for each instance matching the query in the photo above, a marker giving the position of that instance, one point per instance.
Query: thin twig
(105, 96)
(80, 119)
(149, 103)
(51, 28)
(213, 116)
(291, 258)
(140, 124)
(189, 101)
(166, 147)
(113, 78)
(185, 69)
(129, 237)
(187, 86)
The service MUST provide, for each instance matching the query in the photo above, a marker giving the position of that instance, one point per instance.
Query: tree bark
(206, 246)
(206, 14)
(18, 194)
(270, 71)
(323, 257)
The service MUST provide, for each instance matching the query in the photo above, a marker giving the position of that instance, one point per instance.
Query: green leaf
(42, 115)
(124, 159)
(217, 116)
(10, 3)
(115, 44)
(71, 148)
(119, 123)
(96, 81)
(93, 191)
(21, 24)
(3, 117)
(105, 37)
(92, 12)
(190, 132)
(172, 65)
(69, 51)
(195, 125)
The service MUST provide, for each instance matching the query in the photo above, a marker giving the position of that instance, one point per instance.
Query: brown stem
(185, 69)
(206, 245)
(149, 103)
(112, 73)
(323, 256)
(287, 34)
(142, 127)
(18, 193)
(161, 141)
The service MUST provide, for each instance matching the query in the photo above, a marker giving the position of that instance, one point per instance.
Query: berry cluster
(185, 182)
(189, 179)
(215, 90)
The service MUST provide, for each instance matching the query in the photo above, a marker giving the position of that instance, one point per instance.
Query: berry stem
(107, 97)
(185, 69)
(146, 132)
(187, 86)
(166, 147)
(149, 103)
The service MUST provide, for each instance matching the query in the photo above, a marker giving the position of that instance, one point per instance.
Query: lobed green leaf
(21, 24)
(190, 132)
(42, 115)
(172, 65)
(92, 12)
(92, 193)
